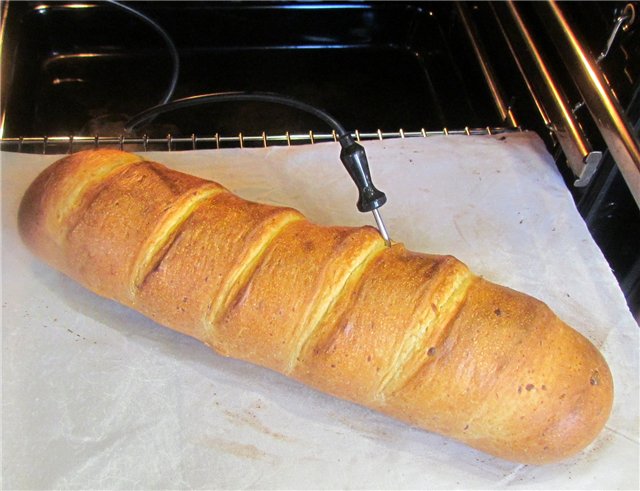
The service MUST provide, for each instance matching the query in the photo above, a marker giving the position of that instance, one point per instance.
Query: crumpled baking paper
(96, 396)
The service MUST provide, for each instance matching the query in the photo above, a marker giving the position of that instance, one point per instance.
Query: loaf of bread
(415, 336)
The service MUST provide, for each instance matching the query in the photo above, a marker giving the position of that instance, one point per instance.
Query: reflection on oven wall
(73, 74)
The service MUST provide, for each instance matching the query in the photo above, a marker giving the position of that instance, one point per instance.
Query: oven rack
(72, 143)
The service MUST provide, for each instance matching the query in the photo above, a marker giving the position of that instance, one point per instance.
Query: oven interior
(73, 73)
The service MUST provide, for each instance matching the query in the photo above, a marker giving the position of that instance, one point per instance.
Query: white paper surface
(97, 396)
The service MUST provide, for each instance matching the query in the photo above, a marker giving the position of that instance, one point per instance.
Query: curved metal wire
(173, 52)
(197, 100)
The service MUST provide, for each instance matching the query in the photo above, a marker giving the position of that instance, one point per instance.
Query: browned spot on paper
(248, 418)
(238, 449)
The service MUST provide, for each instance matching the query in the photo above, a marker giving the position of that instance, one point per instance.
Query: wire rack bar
(69, 144)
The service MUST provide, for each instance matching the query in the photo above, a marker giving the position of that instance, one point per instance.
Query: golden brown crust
(382, 318)
(202, 259)
(281, 303)
(57, 192)
(416, 336)
(527, 386)
(102, 241)
(160, 238)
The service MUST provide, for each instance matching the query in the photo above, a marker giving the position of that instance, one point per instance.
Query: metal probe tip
(381, 227)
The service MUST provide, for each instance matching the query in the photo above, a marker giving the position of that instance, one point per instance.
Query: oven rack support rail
(72, 143)
(556, 111)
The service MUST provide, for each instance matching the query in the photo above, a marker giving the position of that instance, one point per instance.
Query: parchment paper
(96, 396)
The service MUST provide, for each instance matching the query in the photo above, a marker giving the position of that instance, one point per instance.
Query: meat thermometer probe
(352, 154)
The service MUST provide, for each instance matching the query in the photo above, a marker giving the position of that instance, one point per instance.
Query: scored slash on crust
(167, 226)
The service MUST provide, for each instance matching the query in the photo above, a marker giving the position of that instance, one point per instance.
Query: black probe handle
(355, 161)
